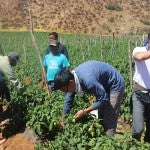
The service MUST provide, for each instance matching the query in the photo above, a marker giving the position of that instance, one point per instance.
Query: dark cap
(14, 56)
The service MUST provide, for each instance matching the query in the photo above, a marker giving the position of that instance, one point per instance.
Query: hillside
(78, 16)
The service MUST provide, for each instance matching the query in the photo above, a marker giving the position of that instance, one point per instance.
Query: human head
(13, 58)
(64, 78)
(53, 36)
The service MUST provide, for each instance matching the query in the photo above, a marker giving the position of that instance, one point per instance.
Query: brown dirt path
(18, 142)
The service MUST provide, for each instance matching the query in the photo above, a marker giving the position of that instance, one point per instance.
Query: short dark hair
(62, 78)
(55, 34)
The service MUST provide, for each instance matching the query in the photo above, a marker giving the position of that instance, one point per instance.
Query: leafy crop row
(37, 110)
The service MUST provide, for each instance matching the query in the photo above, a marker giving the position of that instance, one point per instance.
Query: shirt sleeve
(65, 51)
(145, 42)
(66, 62)
(10, 75)
(98, 90)
(68, 103)
(136, 50)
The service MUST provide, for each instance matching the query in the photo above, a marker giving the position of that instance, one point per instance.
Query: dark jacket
(62, 49)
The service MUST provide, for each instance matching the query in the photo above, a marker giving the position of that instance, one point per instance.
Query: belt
(138, 87)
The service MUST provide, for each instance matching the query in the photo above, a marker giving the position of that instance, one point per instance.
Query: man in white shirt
(141, 92)
(6, 64)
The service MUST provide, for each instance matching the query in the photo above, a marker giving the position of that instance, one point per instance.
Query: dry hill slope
(80, 16)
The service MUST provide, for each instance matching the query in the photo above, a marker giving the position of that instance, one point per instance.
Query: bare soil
(18, 142)
(77, 16)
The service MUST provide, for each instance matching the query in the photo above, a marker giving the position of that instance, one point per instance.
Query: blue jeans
(140, 113)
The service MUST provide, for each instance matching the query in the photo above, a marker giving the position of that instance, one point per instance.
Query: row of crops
(41, 112)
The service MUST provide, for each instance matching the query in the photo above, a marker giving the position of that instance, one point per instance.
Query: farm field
(37, 110)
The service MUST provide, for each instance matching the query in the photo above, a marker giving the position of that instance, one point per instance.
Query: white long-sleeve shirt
(142, 69)
(6, 70)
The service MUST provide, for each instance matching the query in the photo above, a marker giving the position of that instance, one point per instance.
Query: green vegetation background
(42, 113)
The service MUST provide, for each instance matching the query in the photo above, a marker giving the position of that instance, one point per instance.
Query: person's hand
(62, 125)
(79, 114)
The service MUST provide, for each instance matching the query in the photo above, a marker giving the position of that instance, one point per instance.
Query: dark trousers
(4, 91)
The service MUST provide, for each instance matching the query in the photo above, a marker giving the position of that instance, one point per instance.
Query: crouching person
(6, 64)
(99, 79)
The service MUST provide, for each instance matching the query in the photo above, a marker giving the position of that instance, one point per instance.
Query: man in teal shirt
(53, 63)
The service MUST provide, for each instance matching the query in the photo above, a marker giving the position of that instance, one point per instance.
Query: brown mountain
(78, 16)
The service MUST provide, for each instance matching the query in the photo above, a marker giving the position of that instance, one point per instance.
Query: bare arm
(141, 56)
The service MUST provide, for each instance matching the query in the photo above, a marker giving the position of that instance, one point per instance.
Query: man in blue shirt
(53, 63)
(100, 79)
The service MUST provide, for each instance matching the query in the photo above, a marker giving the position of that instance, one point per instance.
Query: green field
(42, 112)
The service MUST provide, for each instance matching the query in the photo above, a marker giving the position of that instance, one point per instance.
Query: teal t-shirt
(54, 63)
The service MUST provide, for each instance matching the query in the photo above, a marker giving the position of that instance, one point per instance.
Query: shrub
(114, 7)
(146, 22)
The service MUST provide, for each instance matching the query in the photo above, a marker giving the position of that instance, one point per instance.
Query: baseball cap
(14, 56)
